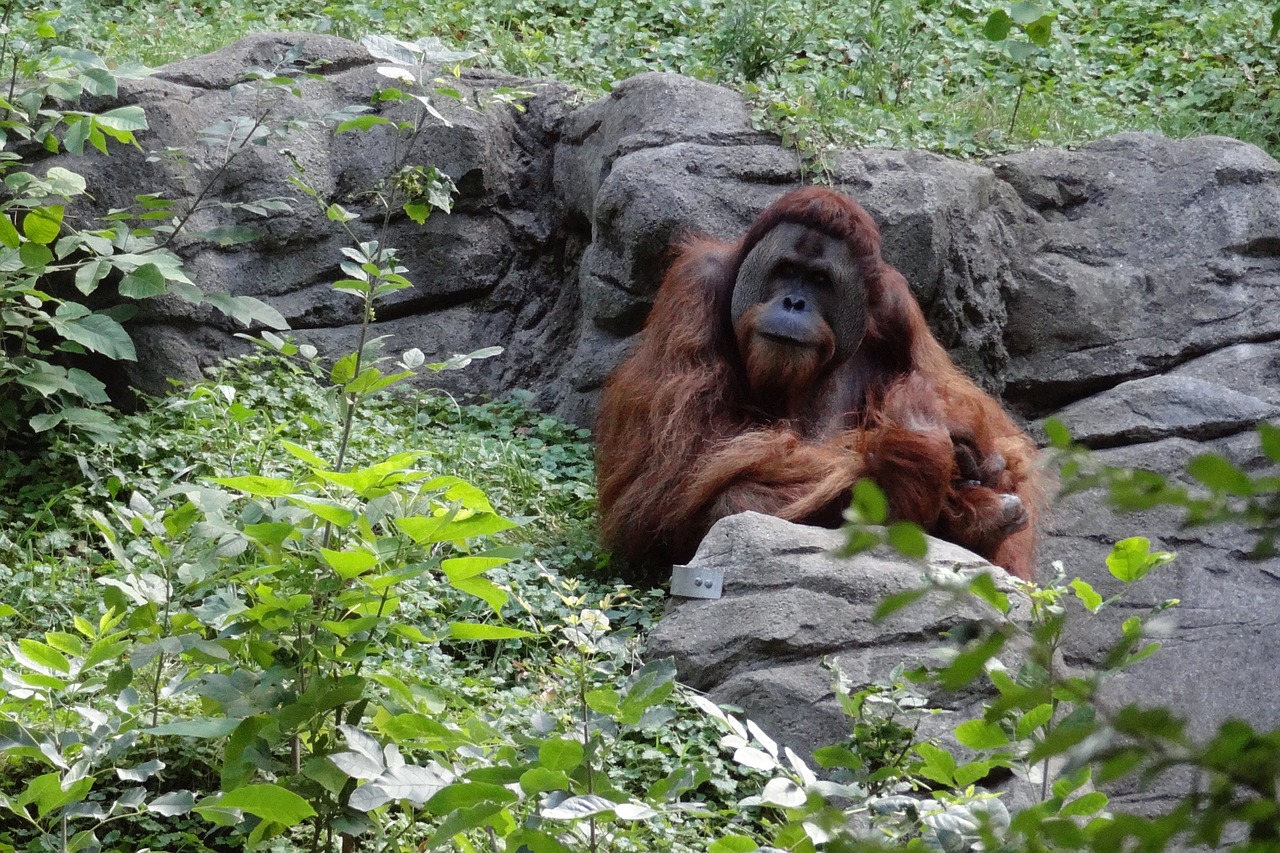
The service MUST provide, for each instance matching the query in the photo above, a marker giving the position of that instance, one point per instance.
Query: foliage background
(880, 72)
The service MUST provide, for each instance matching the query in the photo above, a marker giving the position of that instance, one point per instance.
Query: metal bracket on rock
(692, 582)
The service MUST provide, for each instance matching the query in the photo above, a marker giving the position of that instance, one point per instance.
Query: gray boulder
(789, 606)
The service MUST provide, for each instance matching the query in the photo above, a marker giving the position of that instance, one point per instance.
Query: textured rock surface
(788, 606)
(1131, 287)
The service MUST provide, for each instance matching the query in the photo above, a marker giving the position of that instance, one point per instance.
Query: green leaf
(893, 603)
(43, 224)
(981, 734)
(329, 511)
(44, 422)
(870, 506)
(837, 756)
(1084, 805)
(97, 425)
(1025, 14)
(269, 802)
(540, 779)
(733, 844)
(1034, 719)
(36, 654)
(365, 122)
(273, 534)
(205, 727)
(251, 484)
(65, 182)
(122, 119)
(1268, 433)
(48, 794)
(172, 804)
(89, 275)
(247, 310)
(650, 685)
(306, 454)
(474, 631)
(970, 663)
(492, 594)
(1220, 475)
(95, 332)
(429, 530)
(1090, 598)
(144, 282)
(9, 237)
(1057, 433)
(34, 256)
(1021, 51)
(998, 25)
(939, 765)
(1130, 559)
(102, 651)
(560, 754)
(459, 795)
(459, 568)
(349, 564)
(1040, 31)
(338, 213)
(984, 586)
(967, 774)
(463, 819)
(908, 539)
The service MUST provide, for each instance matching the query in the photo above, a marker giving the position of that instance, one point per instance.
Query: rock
(789, 605)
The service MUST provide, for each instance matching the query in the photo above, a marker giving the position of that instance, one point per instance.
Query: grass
(876, 72)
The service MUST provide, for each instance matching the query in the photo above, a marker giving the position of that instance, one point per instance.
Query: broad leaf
(269, 802)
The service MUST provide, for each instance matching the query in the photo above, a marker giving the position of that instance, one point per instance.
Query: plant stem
(1016, 103)
(4, 51)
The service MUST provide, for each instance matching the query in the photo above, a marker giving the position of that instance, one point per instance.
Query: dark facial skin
(808, 285)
